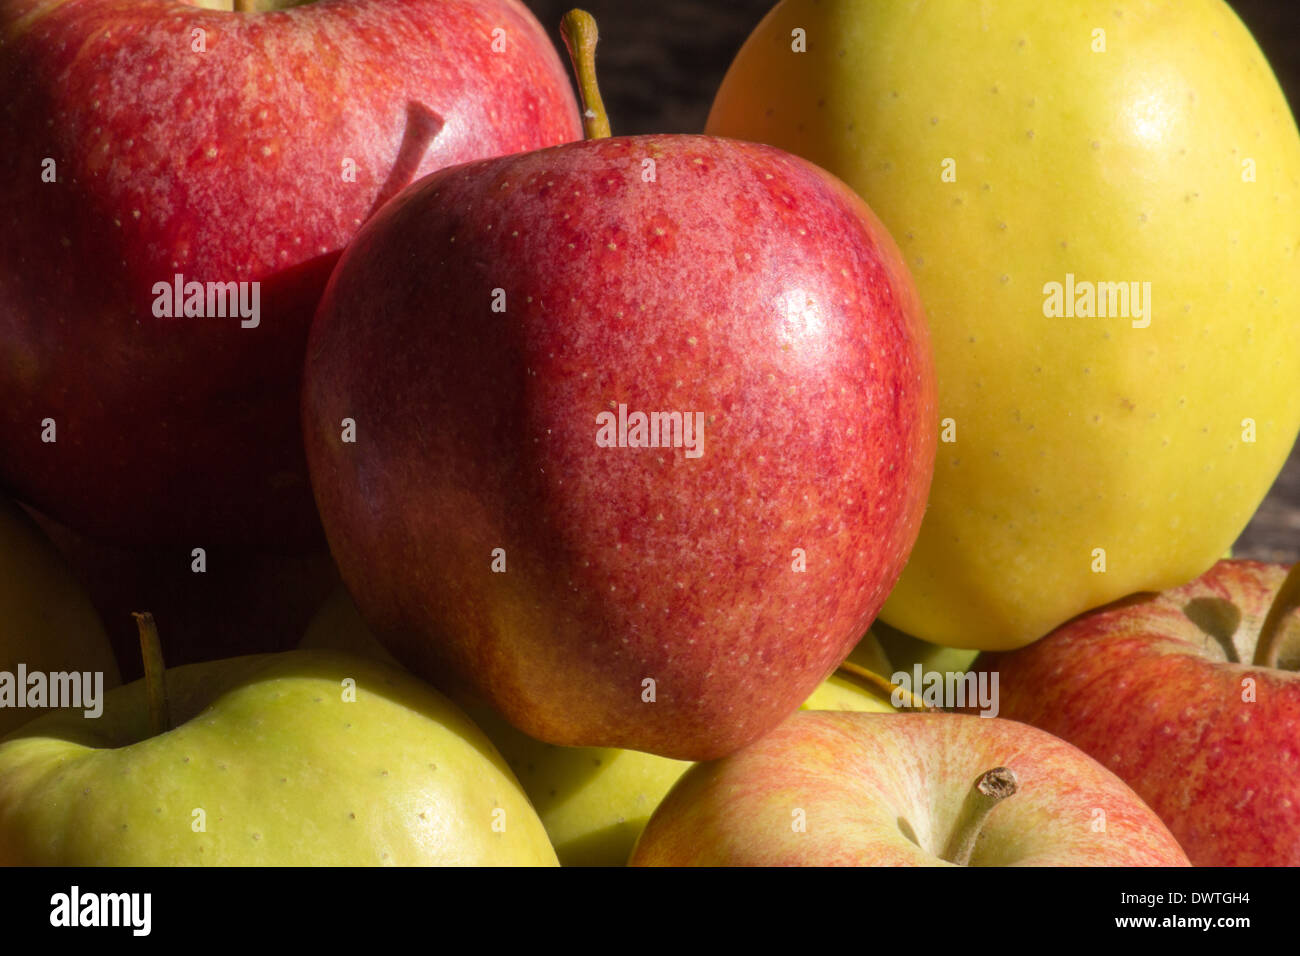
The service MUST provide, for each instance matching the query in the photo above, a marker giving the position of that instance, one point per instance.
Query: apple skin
(477, 431)
(862, 779)
(593, 801)
(46, 619)
(1070, 433)
(286, 771)
(226, 165)
(1150, 694)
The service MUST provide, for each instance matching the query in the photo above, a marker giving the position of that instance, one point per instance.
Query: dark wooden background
(660, 63)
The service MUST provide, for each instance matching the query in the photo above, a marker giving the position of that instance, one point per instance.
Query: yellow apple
(841, 691)
(1015, 145)
(47, 622)
(593, 801)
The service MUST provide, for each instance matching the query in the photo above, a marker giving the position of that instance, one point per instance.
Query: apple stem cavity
(1285, 601)
(580, 35)
(883, 686)
(154, 679)
(990, 789)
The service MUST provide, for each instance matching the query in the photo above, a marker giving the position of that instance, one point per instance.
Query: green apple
(1009, 146)
(904, 652)
(47, 622)
(338, 625)
(593, 801)
(302, 758)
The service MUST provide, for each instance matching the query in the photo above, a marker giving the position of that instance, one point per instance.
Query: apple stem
(992, 787)
(245, 6)
(580, 35)
(154, 680)
(1286, 600)
(882, 685)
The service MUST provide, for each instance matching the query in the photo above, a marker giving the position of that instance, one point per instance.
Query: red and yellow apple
(479, 380)
(857, 789)
(1192, 696)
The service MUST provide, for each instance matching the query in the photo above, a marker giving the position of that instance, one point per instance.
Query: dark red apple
(1192, 696)
(490, 336)
(146, 139)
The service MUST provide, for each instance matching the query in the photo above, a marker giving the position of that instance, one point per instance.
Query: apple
(337, 625)
(303, 758)
(861, 682)
(904, 652)
(489, 491)
(593, 801)
(47, 623)
(1192, 696)
(150, 140)
(223, 602)
(1015, 145)
(857, 789)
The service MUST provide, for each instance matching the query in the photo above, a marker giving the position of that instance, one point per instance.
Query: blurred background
(660, 64)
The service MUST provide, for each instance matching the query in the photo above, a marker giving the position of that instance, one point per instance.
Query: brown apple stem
(1285, 601)
(992, 787)
(580, 35)
(882, 685)
(154, 678)
(245, 6)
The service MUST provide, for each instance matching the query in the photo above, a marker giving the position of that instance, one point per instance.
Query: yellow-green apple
(303, 758)
(210, 604)
(47, 623)
(846, 689)
(904, 652)
(1098, 201)
(337, 625)
(632, 435)
(1191, 696)
(593, 801)
(856, 789)
(161, 152)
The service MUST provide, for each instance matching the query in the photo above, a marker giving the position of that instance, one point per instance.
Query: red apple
(857, 789)
(1191, 696)
(226, 148)
(652, 598)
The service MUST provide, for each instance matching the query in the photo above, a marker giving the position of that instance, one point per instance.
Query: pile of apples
(620, 446)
